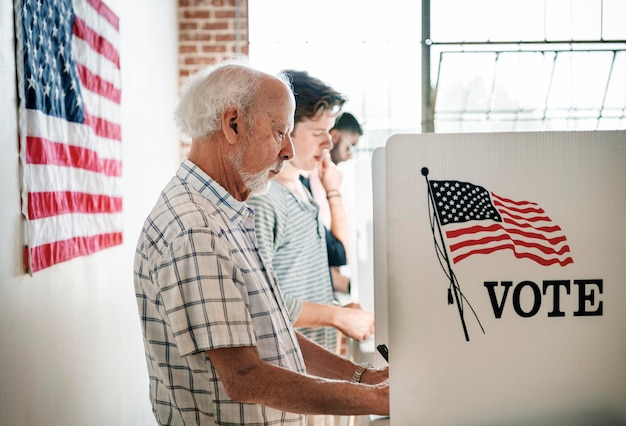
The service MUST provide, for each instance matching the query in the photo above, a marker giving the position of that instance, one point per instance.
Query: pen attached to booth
(382, 349)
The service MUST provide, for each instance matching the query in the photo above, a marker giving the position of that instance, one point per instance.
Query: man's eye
(281, 135)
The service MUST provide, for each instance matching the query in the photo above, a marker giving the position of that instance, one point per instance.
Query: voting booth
(500, 277)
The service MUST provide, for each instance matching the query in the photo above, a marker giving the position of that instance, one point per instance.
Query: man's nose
(287, 151)
(328, 142)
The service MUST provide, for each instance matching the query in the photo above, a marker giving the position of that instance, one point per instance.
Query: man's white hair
(232, 83)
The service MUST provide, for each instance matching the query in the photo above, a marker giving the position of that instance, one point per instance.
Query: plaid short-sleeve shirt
(200, 284)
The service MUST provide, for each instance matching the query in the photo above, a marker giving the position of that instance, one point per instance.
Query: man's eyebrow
(281, 124)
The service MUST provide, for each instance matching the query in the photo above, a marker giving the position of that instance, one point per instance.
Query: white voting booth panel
(525, 239)
(379, 213)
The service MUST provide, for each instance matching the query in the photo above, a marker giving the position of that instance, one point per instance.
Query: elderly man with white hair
(220, 347)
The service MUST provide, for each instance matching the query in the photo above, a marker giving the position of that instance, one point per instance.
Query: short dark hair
(347, 122)
(312, 95)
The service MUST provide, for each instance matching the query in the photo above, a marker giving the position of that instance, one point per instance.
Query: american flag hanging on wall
(69, 122)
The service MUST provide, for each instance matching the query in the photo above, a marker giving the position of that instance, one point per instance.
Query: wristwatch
(358, 373)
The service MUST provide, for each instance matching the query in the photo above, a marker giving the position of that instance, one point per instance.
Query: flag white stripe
(66, 226)
(51, 178)
(95, 62)
(108, 110)
(99, 24)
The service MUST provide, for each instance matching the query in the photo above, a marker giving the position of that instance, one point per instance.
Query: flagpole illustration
(442, 252)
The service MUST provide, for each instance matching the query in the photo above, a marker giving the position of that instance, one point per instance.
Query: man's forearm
(339, 225)
(248, 379)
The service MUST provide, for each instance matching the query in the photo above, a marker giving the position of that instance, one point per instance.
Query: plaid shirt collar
(235, 210)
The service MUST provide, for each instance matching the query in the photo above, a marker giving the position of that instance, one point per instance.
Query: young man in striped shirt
(289, 228)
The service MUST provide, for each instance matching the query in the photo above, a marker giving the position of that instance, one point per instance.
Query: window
(496, 65)
(528, 65)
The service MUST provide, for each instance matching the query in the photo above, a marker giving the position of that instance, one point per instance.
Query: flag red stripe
(527, 219)
(547, 229)
(544, 249)
(103, 128)
(526, 210)
(97, 84)
(538, 259)
(455, 233)
(554, 240)
(529, 215)
(96, 41)
(104, 11)
(46, 204)
(43, 151)
(50, 254)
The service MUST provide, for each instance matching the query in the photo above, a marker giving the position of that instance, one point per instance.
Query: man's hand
(330, 175)
(354, 322)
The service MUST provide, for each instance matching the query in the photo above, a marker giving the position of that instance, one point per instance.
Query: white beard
(256, 183)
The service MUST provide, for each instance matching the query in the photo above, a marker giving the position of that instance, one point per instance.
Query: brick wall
(210, 31)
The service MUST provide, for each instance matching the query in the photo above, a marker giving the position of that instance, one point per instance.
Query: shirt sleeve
(203, 293)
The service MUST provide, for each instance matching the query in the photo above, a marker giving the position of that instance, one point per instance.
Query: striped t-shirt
(292, 240)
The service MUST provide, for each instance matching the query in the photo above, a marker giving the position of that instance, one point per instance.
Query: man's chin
(261, 189)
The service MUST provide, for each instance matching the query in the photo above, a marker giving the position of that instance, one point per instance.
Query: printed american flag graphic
(69, 123)
(477, 221)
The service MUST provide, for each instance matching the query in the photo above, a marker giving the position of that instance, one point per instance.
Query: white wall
(70, 342)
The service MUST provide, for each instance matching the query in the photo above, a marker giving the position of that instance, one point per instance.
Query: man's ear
(230, 124)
